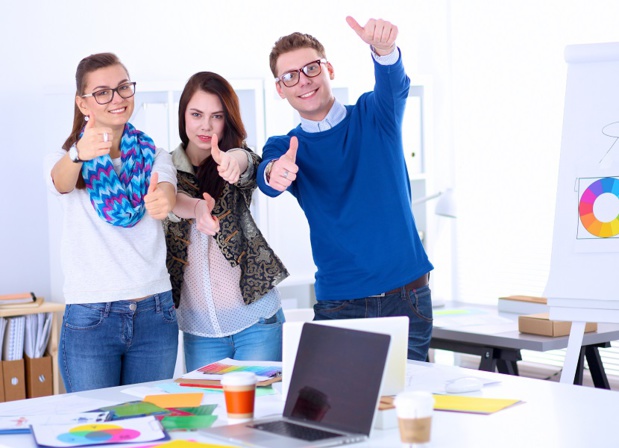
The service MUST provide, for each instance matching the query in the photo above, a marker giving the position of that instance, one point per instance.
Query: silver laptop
(394, 379)
(333, 394)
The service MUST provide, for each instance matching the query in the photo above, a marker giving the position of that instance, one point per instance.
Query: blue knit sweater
(354, 188)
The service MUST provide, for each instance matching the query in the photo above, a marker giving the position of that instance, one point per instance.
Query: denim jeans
(260, 342)
(118, 343)
(416, 304)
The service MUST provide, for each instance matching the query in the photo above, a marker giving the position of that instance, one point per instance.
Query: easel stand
(572, 355)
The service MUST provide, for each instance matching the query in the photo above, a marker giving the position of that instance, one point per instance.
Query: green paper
(134, 408)
(205, 409)
(186, 423)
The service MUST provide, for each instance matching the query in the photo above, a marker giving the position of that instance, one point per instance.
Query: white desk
(495, 337)
(553, 415)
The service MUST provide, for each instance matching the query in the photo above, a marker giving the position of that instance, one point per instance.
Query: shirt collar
(333, 118)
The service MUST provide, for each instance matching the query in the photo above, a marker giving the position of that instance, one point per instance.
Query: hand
(95, 141)
(380, 34)
(227, 166)
(205, 221)
(156, 201)
(284, 170)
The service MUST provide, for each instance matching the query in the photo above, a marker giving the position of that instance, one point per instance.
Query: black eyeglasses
(311, 70)
(105, 96)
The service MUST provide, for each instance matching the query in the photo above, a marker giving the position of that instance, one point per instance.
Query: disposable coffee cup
(414, 410)
(240, 395)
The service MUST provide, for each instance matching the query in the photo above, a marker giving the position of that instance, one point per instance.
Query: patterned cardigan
(239, 238)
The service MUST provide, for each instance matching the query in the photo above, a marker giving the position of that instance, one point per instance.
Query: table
(552, 414)
(483, 330)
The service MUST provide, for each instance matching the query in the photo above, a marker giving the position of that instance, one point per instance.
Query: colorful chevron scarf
(119, 200)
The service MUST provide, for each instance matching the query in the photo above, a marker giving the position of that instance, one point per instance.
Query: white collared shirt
(338, 110)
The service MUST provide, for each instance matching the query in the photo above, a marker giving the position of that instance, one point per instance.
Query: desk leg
(596, 367)
(503, 360)
(572, 355)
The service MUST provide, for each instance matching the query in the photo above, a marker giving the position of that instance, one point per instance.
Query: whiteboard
(585, 252)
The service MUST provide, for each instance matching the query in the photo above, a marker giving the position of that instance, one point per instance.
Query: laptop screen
(336, 377)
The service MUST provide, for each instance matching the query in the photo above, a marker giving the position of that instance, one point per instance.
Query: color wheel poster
(116, 432)
(597, 227)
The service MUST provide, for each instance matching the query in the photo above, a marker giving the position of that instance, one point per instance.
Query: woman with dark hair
(119, 325)
(223, 271)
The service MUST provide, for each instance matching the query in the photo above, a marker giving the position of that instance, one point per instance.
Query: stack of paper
(13, 345)
(18, 299)
(267, 372)
(37, 332)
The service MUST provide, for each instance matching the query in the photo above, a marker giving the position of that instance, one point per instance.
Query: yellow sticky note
(176, 400)
(476, 405)
(189, 444)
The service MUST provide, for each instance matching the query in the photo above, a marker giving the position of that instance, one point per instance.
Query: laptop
(394, 379)
(333, 394)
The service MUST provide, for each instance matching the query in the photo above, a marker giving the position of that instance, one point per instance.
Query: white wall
(162, 41)
(509, 78)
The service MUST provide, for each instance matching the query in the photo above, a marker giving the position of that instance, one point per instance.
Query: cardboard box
(540, 324)
(14, 380)
(39, 377)
(386, 417)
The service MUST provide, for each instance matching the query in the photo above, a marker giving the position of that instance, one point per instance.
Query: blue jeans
(260, 342)
(416, 304)
(118, 343)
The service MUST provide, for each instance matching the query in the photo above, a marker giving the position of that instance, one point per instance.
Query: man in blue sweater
(345, 165)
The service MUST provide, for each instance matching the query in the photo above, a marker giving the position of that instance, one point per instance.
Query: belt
(415, 284)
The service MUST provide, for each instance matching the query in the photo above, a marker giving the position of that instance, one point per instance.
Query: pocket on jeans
(421, 302)
(330, 306)
(275, 319)
(168, 310)
(82, 317)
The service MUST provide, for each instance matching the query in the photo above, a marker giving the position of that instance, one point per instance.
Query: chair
(299, 314)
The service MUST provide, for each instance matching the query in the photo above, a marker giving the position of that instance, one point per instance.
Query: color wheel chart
(97, 434)
(598, 208)
(219, 368)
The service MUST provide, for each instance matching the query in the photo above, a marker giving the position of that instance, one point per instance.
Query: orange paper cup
(240, 393)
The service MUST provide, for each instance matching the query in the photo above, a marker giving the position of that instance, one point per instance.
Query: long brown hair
(87, 65)
(234, 133)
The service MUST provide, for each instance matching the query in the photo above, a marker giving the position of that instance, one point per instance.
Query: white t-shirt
(106, 263)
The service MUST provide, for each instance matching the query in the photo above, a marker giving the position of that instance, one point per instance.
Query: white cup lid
(414, 404)
(238, 379)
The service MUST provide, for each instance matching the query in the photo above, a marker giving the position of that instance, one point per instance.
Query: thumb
(210, 202)
(154, 180)
(292, 151)
(354, 25)
(215, 152)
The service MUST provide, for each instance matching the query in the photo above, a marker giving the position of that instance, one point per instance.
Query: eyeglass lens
(107, 95)
(310, 70)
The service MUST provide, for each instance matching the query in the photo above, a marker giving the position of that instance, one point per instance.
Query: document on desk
(473, 320)
(266, 371)
(20, 424)
(435, 380)
(126, 432)
(471, 405)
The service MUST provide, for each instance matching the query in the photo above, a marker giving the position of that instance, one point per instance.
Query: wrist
(383, 51)
(195, 208)
(74, 154)
(267, 170)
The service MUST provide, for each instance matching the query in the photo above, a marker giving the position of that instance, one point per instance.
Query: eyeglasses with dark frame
(311, 70)
(105, 96)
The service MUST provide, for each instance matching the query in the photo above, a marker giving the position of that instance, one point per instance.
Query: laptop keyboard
(295, 431)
